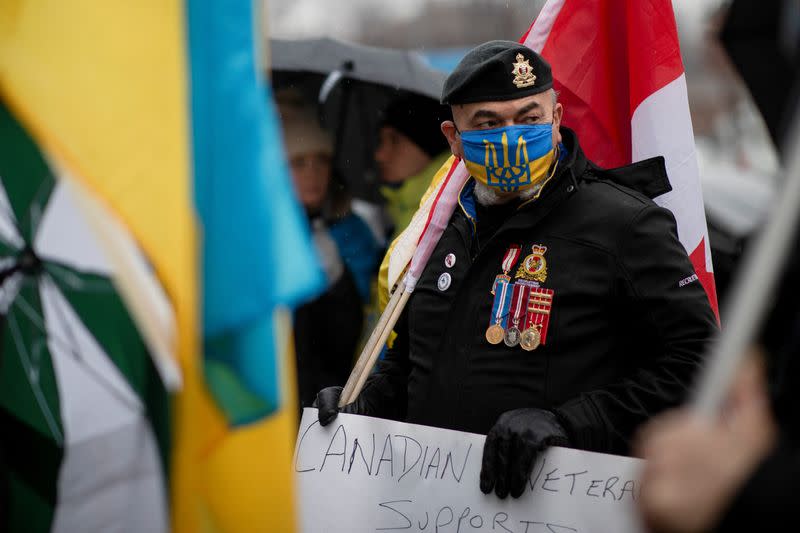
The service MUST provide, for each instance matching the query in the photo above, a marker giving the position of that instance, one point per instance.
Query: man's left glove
(512, 446)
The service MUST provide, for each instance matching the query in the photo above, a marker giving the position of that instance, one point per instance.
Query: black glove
(327, 403)
(512, 446)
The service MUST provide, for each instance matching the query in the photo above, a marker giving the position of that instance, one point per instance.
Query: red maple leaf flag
(618, 69)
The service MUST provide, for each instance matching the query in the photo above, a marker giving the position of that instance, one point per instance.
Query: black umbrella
(352, 83)
(762, 40)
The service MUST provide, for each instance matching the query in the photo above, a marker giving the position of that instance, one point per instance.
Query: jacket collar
(575, 162)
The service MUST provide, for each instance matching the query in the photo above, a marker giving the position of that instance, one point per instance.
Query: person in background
(741, 471)
(411, 148)
(327, 328)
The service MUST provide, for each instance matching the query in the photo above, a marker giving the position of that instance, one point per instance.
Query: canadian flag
(618, 69)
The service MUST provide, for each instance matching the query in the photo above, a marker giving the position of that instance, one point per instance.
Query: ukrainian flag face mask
(512, 158)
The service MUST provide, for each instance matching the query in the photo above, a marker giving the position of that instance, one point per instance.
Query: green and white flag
(83, 407)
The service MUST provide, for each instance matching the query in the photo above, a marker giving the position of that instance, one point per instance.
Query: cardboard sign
(362, 474)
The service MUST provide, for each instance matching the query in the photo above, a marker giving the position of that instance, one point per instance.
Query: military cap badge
(523, 74)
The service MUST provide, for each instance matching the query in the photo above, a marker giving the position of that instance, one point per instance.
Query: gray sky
(335, 18)
(343, 18)
(332, 18)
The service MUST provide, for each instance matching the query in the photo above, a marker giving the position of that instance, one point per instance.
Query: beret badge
(523, 74)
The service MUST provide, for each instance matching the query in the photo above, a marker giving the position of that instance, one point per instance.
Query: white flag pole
(374, 345)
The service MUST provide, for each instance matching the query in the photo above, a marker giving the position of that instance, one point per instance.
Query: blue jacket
(358, 250)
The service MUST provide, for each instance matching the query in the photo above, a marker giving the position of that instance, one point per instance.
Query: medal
(511, 338)
(518, 312)
(495, 333)
(509, 260)
(530, 339)
(540, 302)
(502, 298)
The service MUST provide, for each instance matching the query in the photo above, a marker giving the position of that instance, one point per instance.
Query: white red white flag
(618, 69)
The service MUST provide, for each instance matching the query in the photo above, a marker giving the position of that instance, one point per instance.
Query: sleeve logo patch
(686, 281)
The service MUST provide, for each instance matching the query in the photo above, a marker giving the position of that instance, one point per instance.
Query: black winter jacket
(326, 332)
(628, 326)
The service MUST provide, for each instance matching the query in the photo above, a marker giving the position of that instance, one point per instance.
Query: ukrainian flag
(158, 107)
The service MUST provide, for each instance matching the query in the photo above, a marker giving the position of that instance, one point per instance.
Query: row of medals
(528, 340)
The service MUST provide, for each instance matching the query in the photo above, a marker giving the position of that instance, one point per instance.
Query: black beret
(497, 70)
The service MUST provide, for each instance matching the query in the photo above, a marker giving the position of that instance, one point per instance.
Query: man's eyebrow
(484, 113)
(528, 107)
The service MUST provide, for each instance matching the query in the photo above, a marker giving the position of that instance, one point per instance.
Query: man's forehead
(505, 108)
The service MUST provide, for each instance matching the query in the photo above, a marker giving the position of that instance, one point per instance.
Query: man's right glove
(327, 403)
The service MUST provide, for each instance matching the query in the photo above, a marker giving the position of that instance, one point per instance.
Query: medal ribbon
(510, 258)
(502, 295)
(500, 304)
(539, 305)
(519, 304)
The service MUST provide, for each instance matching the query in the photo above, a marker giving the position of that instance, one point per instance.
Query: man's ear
(558, 113)
(453, 138)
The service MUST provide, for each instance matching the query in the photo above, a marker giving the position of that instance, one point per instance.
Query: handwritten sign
(362, 474)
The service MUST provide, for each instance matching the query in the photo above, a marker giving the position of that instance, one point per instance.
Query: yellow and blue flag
(157, 107)
(256, 252)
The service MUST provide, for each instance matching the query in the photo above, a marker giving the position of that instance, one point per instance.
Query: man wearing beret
(559, 307)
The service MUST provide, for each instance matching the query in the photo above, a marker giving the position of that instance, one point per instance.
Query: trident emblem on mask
(503, 174)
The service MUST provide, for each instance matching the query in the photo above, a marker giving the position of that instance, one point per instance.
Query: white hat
(302, 133)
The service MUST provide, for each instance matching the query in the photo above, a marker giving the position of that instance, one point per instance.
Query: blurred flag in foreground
(158, 108)
(618, 69)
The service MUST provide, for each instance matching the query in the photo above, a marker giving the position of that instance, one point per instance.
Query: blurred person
(327, 329)
(411, 148)
(558, 308)
(741, 471)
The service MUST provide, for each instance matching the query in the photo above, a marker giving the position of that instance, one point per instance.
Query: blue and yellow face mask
(512, 158)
